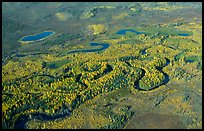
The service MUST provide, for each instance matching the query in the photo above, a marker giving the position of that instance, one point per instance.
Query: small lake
(183, 34)
(123, 31)
(104, 46)
(36, 37)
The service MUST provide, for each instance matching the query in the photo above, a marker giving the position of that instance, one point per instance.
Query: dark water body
(166, 78)
(144, 52)
(123, 31)
(21, 122)
(37, 36)
(190, 61)
(167, 62)
(183, 34)
(104, 46)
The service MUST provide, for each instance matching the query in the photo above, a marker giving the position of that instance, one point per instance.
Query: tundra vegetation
(134, 82)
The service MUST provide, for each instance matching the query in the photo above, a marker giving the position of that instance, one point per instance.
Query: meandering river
(104, 46)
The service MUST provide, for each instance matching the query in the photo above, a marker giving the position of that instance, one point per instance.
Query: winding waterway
(104, 46)
(166, 78)
(22, 120)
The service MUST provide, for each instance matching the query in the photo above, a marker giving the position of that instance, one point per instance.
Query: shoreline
(25, 42)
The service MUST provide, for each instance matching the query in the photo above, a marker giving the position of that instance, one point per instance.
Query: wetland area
(101, 65)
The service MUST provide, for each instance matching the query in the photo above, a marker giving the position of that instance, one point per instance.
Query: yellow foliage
(133, 9)
(121, 16)
(63, 16)
(97, 29)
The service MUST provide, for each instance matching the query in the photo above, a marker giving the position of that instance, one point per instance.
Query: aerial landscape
(101, 65)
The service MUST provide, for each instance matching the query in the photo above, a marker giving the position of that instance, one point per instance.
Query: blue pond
(37, 36)
(190, 61)
(104, 46)
(144, 52)
(123, 31)
(183, 34)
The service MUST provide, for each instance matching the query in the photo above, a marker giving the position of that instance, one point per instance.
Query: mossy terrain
(147, 80)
